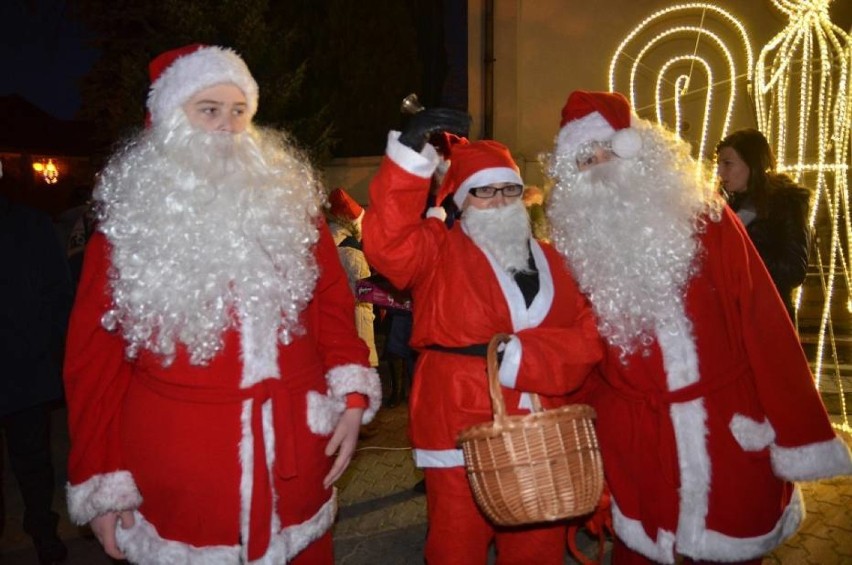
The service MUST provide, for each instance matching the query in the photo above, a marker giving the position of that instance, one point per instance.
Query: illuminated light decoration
(804, 106)
(681, 85)
(712, 25)
(48, 171)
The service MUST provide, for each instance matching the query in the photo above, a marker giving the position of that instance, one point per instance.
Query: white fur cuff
(347, 379)
(325, 411)
(421, 164)
(750, 434)
(109, 492)
(436, 212)
(811, 462)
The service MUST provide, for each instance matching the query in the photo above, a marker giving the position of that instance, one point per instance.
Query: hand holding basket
(536, 467)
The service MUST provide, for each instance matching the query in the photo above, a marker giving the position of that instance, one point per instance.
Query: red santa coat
(461, 297)
(701, 438)
(222, 463)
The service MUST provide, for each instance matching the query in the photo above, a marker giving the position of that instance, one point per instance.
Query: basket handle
(498, 405)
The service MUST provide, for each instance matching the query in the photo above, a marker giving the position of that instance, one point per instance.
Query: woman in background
(772, 207)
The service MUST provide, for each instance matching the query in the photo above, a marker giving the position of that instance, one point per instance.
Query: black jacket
(35, 300)
(782, 237)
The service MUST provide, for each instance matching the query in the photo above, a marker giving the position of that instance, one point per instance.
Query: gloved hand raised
(433, 120)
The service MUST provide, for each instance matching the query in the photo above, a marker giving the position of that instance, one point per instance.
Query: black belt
(475, 350)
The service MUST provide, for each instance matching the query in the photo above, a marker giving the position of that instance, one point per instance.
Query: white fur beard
(504, 232)
(627, 229)
(202, 225)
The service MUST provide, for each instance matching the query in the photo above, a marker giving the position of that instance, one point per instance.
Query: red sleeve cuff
(357, 400)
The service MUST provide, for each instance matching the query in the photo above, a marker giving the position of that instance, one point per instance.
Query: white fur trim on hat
(626, 143)
(485, 177)
(196, 71)
(591, 127)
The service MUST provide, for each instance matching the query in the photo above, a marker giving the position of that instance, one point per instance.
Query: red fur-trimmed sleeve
(398, 242)
(96, 377)
(795, 426)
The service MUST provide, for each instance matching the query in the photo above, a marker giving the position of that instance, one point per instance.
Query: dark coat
(782, 237)
(35, 300)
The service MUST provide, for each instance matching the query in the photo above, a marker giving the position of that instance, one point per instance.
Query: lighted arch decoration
(681, 54)
(803, 103)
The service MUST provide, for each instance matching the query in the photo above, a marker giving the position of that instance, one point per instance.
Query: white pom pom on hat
(626, 143)
(179, 74)
(598, 116)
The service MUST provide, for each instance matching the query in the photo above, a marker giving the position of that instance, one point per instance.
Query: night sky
(43, 54)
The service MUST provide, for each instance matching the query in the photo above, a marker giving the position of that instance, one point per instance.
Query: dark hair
(754, 149)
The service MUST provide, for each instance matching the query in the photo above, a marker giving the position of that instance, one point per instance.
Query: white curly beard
(203, 227)
(628, 231)
(504, 232)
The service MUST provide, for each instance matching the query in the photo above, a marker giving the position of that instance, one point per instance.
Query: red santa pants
(623, 555)
(460, 534)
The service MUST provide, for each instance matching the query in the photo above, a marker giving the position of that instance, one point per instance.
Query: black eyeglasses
(510, 191)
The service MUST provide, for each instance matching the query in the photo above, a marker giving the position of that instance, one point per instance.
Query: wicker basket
(537, 467)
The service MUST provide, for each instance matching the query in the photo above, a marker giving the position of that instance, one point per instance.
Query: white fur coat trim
(247, 456)
(709, 545)
(259, 352)
(143, 545)
(715, 546)
(632, 533)
(324, 410)
(811, 462)
(440, 458)
(109, 492)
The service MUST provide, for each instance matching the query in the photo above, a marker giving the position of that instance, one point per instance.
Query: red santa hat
(598, 116)
(475, 164)
(178, 74)
(344, 206)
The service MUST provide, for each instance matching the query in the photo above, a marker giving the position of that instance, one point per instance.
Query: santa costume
(212, 347)
(462, 295)
(707, 410)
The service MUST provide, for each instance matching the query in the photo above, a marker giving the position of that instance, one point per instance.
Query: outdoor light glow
(636, 47)
(47, 170)
(51, 173)
(803, 105)
(800, 90)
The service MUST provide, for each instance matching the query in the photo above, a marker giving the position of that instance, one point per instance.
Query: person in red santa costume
(485, 275)
(707, 410)
(214, 378)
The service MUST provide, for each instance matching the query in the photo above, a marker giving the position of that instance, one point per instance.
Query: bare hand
(343, 442)
(103, 527)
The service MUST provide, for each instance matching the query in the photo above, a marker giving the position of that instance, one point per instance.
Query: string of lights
(642, 40)
(799, 85)
(803, 105)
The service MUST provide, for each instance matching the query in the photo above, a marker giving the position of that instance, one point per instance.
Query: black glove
(433, 120)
